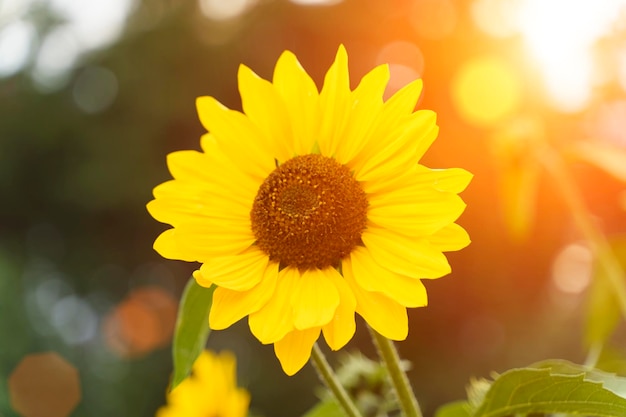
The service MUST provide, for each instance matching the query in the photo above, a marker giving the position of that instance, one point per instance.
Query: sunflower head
(211, 390)
(311, 205)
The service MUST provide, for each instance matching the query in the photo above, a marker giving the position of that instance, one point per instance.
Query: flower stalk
(391, 360)
(328, 376)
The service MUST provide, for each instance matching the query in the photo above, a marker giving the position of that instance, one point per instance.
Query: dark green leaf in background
(327, 408)
(603, 312)
(192, 329)
(454, 409)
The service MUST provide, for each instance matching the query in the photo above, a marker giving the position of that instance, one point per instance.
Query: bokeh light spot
(485, 91)
(142, 322)
(15, 45)
(571, 269)
(406, 63)
(94, 23)
(433, 19)
(74, 319)
(316, 2)
(57, 56)
(95, 89)
(44, 384)
(224, 10)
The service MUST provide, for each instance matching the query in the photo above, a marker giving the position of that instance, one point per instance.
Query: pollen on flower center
(309, 213)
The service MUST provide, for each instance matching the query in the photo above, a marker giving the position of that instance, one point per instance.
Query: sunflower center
(309, 213)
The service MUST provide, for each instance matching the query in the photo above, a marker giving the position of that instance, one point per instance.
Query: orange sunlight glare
(560, 35)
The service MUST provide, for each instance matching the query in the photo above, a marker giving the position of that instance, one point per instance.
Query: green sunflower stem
(389, 354)
(599, 245)
(328, 376)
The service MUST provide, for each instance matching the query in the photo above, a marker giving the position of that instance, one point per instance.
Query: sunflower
(311, 205)
(211, 390)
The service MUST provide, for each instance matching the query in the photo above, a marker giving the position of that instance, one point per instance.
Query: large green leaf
(610, 381)
(192, 329)
(554, 387)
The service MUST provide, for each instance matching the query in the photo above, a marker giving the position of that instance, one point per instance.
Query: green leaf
(610, 381)
(562, 387)
(603, 311)
(192, 329)
(454, 409)
(328, 408)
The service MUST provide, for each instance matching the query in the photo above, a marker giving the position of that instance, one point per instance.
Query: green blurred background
(94, 95)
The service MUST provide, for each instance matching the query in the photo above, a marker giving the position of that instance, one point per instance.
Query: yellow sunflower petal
(450, 238)
(403, 101)
(238, 272)
(178, 202)
(168, 246)
(236, 404)
(301, 97)
(388, 123)
(379, 311)
(240, 139)
(341, 328)
(406, 291)
(188, 165)
(294, 350)
(231, 306)
(367, 102)
(212, 169)
(452, 180)
(200, 279)
(265, 108)
(334, 101)
(315, 297)
(410, 142)
(416, 214)
(275, 319)
(405, 256)
(206, 240)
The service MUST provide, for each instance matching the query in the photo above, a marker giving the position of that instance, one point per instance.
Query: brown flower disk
(309, 213)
